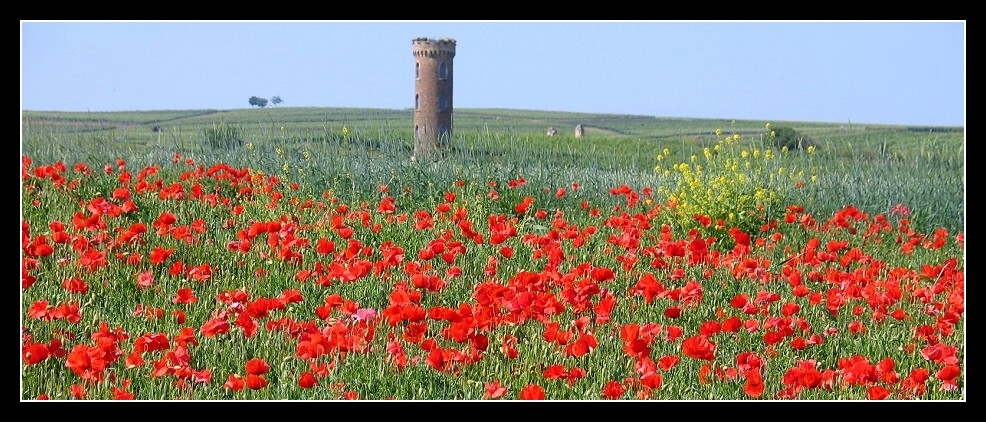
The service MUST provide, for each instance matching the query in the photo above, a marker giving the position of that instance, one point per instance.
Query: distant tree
(257, 101)
(276, 99)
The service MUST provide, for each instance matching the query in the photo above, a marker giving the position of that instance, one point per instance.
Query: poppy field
(713, 278)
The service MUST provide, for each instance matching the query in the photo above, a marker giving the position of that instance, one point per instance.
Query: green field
(871, 166)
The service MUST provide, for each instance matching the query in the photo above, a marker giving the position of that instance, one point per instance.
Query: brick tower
(432, 96)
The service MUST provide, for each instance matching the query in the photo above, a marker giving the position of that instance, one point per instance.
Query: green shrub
(785, 136)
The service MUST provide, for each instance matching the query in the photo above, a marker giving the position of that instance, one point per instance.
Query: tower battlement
(426, 47)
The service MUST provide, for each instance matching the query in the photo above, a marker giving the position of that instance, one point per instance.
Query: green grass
(871, 166)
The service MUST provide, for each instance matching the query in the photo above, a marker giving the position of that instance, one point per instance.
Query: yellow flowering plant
(733, 183)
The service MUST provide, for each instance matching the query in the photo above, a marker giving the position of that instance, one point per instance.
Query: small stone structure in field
(552, 131)
(579, 131)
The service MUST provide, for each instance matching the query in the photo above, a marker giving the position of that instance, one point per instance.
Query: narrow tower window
(442, 71)
(417, 70)
(416, 102)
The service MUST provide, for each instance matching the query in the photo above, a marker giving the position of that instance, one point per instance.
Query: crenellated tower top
(427, 47)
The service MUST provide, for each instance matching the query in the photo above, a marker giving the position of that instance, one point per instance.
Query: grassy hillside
(505, 121)
(185, 129)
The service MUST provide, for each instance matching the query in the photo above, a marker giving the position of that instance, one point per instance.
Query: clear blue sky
(879, 72)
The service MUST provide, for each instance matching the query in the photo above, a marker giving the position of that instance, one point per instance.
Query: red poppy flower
(122, 393)
(38, 310)
(601, 274)
(200, 273)
(703, 373)
(699, 347)
(672, 312)
(75, 285)
(754, 384)
(799, 343)
(573, 374)
(667, 362)
(145, 279)
(674, 332)
(88, 362)
(948, 373)
(257, 366)
(179, 316)
(524, 205)
(739, 301)
(898, 314)
(77, 391)
(185, 296)
(135, 359)
(494, 390)
(324, 246)
(877, 392)
(509, 346)
(532, 392)
(732, 324)
(436, 359)
(247, 323)
(835, 245)
(613, 390)
(256, 382)
(636, 348)
(919, 375)
(582, 346)
(772, 337)
(710, 328)
(177, 268)
(39, 247)
(386, 205)
(35, 353)
(307, 380)
(121, 193)
(215, 326)
(239, 246)
(554, 372)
